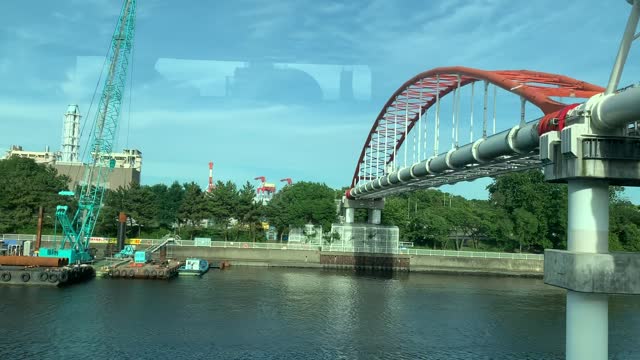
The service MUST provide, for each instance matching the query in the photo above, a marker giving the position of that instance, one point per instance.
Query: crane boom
(79, 230)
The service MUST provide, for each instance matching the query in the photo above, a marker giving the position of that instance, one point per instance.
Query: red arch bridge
(407, 149)
(589, 142)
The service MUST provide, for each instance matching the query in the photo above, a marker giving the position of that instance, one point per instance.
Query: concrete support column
(349, 215)
(374, 216)
(587, 319)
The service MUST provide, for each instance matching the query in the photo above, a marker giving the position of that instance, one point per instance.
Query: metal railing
(472, 254)
(300, 246)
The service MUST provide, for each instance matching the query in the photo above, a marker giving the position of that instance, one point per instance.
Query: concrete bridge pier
(374, 210)
(369, 238)
(590, 153)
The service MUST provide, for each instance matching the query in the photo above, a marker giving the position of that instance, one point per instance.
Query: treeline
(24, 187)
(228, 212)
(523, 212)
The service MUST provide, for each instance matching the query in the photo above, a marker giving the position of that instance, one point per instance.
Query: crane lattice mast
(79, 230)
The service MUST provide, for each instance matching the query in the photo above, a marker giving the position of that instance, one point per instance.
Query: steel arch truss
(501, 165)
(415, 97)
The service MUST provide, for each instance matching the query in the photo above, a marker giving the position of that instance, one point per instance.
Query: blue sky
(255, 86)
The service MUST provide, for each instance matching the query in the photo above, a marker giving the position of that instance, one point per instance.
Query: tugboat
(194, 266)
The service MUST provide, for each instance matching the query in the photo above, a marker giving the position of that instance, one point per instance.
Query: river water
(259, 313)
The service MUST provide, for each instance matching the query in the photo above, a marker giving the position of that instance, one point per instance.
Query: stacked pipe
(33, 261)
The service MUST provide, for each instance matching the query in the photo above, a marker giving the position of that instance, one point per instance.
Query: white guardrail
(295, 246)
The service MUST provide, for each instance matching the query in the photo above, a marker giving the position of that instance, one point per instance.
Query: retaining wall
(318, 259)
(252, 257)
(450, 264)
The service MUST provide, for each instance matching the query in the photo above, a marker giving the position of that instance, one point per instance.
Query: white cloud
(81, 80)
(297, 120)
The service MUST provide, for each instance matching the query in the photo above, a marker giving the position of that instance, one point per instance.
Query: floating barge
(33, 270)
(127, 269)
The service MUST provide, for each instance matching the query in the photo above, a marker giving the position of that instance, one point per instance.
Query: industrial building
(67, 161)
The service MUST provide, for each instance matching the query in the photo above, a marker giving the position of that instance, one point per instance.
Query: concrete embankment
(250, 257)
(473, 265)
(320, 259)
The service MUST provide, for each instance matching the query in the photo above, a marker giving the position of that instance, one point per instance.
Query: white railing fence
(298, 246)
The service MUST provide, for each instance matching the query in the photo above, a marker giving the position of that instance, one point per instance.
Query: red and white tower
(211, 186)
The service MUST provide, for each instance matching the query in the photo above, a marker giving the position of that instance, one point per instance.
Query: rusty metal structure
(33, 261)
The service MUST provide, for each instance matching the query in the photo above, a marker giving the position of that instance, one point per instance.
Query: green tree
(427, 228)
(546, 202)
(24, 187)
(395, 213)
(624, 226)
(223, 203)
(249, 213)
(192, 210)
(302, 203)
(526, 226)
(167, 202)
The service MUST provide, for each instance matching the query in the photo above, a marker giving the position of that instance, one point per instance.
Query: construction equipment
(78, 230)
(265, 191)
(142, 257)
(127, 252)
(288, 180)
(165, 240)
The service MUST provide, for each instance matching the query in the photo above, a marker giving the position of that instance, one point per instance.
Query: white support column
(378, 141)
(457, 110)
(406, 127)
(420, 124)
(395, 134)
(484, 111)
(374, 216)
(588, 232)
(415, 148)
(436, 134)
(386, 146)
(523, 103)
(374, 155)
(364, 171)
(349, 215)
(471, 116)
(453, 119)
(495, 93)
(426, 125)
(379, 158)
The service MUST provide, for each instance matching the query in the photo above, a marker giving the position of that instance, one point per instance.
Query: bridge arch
(420, 93)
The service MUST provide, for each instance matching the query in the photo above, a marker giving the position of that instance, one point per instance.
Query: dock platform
(127, 269)
(48, 276)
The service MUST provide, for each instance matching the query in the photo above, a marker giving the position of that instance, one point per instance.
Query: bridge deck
(501, 165)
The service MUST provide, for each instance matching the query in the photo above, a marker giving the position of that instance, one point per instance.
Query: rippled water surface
(256, 313)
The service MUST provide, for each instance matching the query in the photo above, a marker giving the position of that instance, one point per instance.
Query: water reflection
(266, 313)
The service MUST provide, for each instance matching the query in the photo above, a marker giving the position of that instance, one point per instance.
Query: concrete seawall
(450, 264)
(250, 257)
(319, 259)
